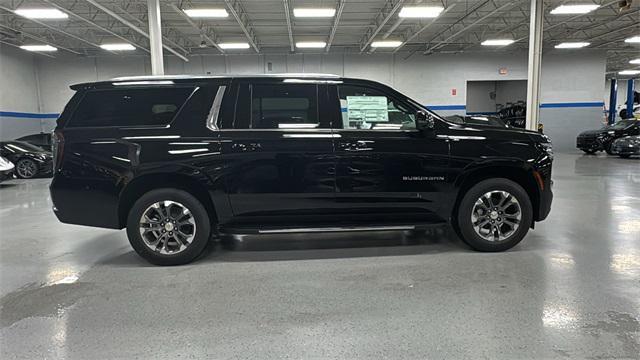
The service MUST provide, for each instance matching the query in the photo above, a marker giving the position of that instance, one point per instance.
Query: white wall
(479, 97)
(18, 93)
(569, 76)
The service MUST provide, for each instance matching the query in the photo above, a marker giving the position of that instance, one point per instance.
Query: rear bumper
(78, 204)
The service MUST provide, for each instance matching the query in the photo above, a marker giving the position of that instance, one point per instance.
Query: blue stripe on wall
(446, 107)
(572, 105)
(25, 115)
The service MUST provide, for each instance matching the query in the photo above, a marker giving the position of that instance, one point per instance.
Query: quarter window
(284, 107)
(364, 108)
(129, 107)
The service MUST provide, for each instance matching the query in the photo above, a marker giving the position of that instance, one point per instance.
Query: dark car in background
(477, 120)
(177, 160)
(601, 140)
(41, 140)
(6, 169)
(626, 146)
(30, 161)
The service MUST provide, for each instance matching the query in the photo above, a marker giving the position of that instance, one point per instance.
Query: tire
(26, 168)
(512, 235)
(589, 152)
(194, 233)
(608, 149)
(624, 156)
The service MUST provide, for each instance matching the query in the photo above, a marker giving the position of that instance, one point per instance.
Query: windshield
(622, 124)
(22, 146)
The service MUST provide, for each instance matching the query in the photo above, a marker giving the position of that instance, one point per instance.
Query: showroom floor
(570, 289)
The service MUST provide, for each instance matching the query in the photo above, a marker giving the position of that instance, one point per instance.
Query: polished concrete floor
(571, 289)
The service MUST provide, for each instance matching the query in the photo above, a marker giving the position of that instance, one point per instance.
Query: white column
(534, 66)
(155, 37)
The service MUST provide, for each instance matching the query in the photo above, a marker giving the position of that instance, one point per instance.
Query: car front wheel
(168, 227)
(26, 168)
(494, 215)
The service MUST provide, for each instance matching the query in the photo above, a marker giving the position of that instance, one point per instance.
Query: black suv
(591, 141)
(179, 160)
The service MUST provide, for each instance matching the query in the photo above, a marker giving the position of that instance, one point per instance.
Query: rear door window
(129, 107)
(284, 106)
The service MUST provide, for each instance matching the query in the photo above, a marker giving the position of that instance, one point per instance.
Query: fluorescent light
(629, 72)
(206, 13)
(497, 42)
(635, 39)
(41, 13)
(635, 61)
(314, 12)
(311, 44)
(38, 48)
(420, 11)
(571, 45)
(386, 44)
(118, 47)
(240, 45)
(574, 9)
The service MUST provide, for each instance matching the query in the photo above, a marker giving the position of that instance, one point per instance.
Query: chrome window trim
(212, 118)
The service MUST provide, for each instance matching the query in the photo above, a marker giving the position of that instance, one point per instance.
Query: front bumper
(625, 149)
(588, 143)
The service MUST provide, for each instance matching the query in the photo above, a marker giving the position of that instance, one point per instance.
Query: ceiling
(270, 29)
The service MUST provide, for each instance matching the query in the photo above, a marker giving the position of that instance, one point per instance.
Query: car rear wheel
(26, 168)
(494, 215)
(168, 227)
(609, 149)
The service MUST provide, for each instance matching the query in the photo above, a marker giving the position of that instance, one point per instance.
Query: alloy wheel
(496, 216)
(26, 168)
(167, 227)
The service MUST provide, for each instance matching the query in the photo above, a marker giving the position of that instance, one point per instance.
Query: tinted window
(369, 109)
(129, 107)
(284, 106)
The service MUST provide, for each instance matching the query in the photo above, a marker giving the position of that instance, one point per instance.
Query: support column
(155, 37)
(613, 99)
(630, 89)
(534, 65)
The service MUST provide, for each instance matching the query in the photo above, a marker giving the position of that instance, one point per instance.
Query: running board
(336, 229)
(240, 230)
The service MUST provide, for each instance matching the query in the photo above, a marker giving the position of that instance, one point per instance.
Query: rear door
(387, 170)
(278, 152)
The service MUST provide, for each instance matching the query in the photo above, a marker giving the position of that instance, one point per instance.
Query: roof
(224, 76)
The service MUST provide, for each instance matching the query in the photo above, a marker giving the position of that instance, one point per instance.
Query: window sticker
(367, 109)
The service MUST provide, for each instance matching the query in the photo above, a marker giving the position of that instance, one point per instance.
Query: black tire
(200, 216)
(589, 152)
(464, 225)
(608, 149)
(21, 168)
(624, 156)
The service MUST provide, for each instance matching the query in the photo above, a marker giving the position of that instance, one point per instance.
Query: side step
(320, 229)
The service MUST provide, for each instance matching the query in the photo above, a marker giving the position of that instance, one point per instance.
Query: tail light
(58, 148)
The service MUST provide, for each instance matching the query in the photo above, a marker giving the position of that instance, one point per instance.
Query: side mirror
(425, 121)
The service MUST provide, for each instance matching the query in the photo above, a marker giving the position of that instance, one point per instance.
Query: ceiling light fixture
(635, 61)
(420, 11)
(571, 45)
(629, 72)
(311, 44)
(574, 9)
(41, 13)
(118, 47)
(497, 42)
(232, 46)
(314, 12)
(38, 48)
(386, 44)
(634, 39)
(206, 13)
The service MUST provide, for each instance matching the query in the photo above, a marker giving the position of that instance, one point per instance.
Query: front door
(387, 170)
(278, 152)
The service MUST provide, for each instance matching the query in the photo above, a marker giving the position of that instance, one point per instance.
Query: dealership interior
(498, 70)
